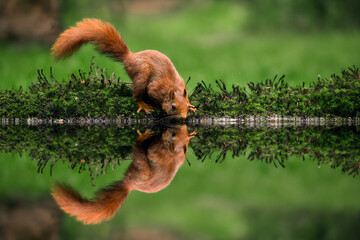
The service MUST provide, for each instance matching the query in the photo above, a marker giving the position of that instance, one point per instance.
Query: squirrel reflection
(156, 161)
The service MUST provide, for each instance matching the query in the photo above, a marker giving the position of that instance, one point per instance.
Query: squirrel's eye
(173, 134)
(173, 107)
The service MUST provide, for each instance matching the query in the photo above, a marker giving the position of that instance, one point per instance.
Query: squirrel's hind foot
(144, 136)
(144, 106)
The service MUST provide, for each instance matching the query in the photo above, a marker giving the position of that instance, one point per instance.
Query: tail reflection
(156, 161)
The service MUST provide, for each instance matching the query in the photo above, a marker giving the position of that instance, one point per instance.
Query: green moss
(337, 146)
(95, 149)
(93, 94)
(98, 95)
(92, 148)
(338, 96)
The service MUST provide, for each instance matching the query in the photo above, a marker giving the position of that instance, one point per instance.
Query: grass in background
(206, 43)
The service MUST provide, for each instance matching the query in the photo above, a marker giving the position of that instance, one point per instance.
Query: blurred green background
(238, 42)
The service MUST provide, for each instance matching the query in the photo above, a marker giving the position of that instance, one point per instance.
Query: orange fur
(156, 161)
(101, 208)
(102, 34)
(156, 82)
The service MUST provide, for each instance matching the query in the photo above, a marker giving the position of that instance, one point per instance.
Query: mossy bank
(98, 94)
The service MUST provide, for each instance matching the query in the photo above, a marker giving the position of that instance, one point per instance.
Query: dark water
(179, 182)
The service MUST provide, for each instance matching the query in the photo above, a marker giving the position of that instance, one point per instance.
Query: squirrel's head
(179, 136)
(177, 104)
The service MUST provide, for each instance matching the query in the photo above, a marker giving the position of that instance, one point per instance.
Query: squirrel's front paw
(192, 108)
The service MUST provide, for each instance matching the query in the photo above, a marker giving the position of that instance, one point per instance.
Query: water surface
(172, 181)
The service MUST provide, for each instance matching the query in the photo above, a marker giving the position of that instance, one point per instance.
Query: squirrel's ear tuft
(171, 94)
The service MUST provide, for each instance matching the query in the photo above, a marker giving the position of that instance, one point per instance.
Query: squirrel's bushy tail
(102, 34)
(103, 207)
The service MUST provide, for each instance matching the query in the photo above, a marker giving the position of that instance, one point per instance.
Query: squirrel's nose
(182, 116)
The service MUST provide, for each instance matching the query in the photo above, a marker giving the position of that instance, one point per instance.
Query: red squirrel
(157, 158)
(156, 83)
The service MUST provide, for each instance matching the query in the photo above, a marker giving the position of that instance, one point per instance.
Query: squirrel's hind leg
(140, 82)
